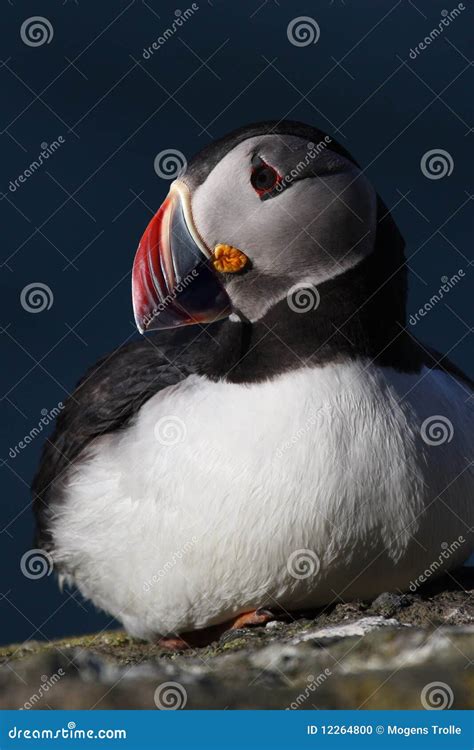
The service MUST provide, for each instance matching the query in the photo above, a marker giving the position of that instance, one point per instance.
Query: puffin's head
(267, 207)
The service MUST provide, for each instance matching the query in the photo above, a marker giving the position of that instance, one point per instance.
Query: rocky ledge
(399, 651)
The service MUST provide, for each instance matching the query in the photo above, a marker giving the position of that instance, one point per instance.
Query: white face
(322, 223)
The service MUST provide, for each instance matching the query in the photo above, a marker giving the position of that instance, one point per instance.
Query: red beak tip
(172, 285)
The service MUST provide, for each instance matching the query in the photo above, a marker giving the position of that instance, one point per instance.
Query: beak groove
(173, 281)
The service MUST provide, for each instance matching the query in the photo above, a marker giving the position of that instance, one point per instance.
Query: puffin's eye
(264, 178)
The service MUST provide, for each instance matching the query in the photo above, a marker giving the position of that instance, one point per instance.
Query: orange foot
(255, 617)
(206, 636)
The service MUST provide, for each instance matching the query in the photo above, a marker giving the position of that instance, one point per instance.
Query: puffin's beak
(173, 281)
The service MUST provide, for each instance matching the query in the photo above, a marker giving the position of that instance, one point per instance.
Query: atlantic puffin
(278, 440)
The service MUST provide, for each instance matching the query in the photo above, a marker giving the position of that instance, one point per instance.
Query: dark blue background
(74, 225)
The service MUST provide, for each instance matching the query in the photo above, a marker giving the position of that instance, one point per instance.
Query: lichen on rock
(381, 654)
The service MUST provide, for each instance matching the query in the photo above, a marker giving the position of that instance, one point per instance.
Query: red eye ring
(264, 178)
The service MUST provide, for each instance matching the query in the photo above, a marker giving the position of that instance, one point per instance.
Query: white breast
(201, 509)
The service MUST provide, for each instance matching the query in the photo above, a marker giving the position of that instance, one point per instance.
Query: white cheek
(307, 233)
(225, 204)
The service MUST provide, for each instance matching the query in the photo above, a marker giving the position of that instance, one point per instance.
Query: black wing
(104, 400)
(437, 361)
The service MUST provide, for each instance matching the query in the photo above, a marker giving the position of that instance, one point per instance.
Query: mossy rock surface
(383, 654)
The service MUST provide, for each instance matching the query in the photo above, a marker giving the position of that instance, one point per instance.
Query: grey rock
(354, 655)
